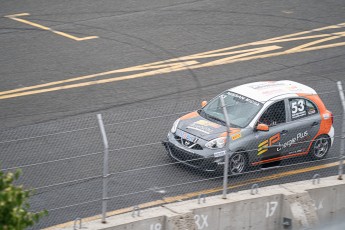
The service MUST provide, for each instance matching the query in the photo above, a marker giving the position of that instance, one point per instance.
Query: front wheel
(320, 147)
(237, 163)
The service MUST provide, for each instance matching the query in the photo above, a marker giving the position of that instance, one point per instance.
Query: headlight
(174, 127)
(216, 143)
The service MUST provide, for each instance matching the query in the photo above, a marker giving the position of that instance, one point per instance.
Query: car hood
(200, 127)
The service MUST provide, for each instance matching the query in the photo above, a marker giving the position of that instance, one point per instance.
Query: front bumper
(191, 157)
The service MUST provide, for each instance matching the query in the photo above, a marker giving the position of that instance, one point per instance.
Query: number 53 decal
(297, 106)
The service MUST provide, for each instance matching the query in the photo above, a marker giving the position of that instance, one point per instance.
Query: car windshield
(241, 110)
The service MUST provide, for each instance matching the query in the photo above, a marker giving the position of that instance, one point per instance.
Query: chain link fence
(75, 170)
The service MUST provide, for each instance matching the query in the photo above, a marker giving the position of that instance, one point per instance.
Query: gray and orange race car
(270, 121)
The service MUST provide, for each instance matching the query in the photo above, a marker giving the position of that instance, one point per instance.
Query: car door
(303, 125)
(275, 117)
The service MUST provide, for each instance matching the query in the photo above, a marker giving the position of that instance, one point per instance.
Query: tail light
(332, 118)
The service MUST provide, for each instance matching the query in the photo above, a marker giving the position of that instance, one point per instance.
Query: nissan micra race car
(269, 121)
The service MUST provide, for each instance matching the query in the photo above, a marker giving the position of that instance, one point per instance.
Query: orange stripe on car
(280, 158)
(189, 115)
(232, 132)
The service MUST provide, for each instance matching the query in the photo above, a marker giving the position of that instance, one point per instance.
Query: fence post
(342, 142)
(105, 168)
(227, 148)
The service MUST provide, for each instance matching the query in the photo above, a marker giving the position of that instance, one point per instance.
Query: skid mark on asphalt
(15, 17)
(186, 196)
(312, 40)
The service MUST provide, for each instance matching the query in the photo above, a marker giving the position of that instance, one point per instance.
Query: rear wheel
(320, 147)
(238, 163)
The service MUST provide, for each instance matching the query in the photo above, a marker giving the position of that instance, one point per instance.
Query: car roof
(266, 90)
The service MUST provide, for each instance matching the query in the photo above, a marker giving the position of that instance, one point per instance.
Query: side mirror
(262, 127)
(203, 103)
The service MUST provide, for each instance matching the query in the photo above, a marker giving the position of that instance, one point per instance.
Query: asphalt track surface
(43, 44)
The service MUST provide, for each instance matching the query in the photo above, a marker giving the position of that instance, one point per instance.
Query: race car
(269, 121)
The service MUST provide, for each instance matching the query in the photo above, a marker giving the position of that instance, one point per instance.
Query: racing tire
(320, 147)
(238, 163)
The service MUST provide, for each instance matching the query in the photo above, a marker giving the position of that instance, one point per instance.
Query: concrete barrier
(154, 218)
(299, 205)
(329, 202)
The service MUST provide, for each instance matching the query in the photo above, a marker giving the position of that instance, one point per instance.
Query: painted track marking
(15, 17)
(316, 39)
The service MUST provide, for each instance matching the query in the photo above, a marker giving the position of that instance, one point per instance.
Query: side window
(311, 108)
(301, 108)
(297, 108)
(275, 114)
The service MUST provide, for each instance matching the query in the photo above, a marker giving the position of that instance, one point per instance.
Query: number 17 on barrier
(271, 208)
